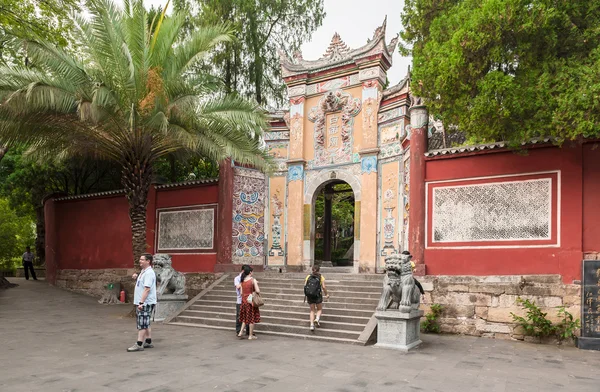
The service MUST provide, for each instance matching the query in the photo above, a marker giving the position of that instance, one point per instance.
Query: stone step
(289, 304)
(219, 307)
(282, 334)
(229, 313)
(336, 270)
(333, 276)
(265, 326)
(328, 280)
(294, 294)
(299, 287)
(293, 299)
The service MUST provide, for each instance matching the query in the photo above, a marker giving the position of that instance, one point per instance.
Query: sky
(355, 21)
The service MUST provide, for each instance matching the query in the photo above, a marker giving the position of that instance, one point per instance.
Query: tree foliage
(250, 64)
(508, 69)
(127, 96)
(16, 232)
(47, 19)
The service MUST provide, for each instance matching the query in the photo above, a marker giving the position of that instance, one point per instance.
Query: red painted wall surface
(93, 233)
(182, 197)
(564, 260)
(591, 197)
(50, 241)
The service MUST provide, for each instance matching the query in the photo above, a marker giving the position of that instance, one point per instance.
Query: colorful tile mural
(248, 216)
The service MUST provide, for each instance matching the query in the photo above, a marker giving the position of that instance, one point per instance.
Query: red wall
(564, 260)
(184, 197)
(93, 233)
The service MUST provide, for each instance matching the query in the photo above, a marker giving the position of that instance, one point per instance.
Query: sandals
(252, 337)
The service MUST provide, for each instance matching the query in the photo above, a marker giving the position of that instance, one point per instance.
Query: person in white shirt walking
(144, 299)
(28, 257)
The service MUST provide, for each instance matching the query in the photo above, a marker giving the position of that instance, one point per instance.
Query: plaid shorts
(144, 316)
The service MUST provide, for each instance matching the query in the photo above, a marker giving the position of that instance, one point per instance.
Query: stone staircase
(352, 303)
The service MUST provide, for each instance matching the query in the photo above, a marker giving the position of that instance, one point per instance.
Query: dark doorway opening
(334, 221)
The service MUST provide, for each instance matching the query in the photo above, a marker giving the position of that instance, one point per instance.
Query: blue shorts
(144, 316)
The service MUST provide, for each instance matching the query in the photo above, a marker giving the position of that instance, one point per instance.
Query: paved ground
(53, 340)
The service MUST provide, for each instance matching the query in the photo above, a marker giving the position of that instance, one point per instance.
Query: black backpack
(312, 288)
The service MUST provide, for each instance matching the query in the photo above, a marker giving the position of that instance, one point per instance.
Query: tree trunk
(136, 178)
(3, 151)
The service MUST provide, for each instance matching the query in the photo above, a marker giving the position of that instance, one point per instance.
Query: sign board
(590, 306)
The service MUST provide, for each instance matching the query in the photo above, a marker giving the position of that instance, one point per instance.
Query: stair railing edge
(196, 298)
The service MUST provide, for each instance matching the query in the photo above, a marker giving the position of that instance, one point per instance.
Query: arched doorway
(334, 225)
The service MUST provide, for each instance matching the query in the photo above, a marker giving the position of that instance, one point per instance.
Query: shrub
(431, 323)
(535, 322)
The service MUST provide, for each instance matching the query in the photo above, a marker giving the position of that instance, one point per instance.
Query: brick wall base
(93, 281)
(482, 305)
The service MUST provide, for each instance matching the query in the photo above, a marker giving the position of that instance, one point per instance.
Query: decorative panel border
(198, 223)
(509, 211)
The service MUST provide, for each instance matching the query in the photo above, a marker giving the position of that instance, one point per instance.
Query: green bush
(536, 324)
(431, 323)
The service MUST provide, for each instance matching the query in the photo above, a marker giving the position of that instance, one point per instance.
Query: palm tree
(127, 95)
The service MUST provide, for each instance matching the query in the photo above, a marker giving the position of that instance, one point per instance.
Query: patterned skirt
(249, 314)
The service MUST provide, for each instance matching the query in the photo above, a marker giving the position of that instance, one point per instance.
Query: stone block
(573, 290)
(168, 305)
(571, 300)
(507, 301)
(458, 311)
(481, 311)
(503, 336)
(427, 286)
(549, 279)
(484, 326)
(463, 299)
(502, 315)
(554, 290)
(492, 288)
(452, 287)
(397, 330)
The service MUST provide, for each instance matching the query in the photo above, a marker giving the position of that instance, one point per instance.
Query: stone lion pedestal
(170, 287)
(398, 330)
(169, 304)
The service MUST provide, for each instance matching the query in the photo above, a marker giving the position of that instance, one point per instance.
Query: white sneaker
(312, 327)
(317, 323)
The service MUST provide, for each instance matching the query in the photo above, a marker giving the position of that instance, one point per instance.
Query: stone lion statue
(399, 286)
(166, 277)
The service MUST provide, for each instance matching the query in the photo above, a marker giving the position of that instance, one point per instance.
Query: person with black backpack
(314, 287)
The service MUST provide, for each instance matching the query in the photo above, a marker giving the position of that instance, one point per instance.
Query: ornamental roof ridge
(337, 49)
(338, 53)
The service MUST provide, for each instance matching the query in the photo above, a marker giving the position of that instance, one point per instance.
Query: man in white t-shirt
(28, 257)
(144, 298)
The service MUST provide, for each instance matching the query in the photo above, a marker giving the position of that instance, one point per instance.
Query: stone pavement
(54, 340)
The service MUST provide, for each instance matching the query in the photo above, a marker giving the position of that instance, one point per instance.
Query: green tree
(250, 65)
(47, 19)
(25, 184)
(507, 69)
(128, 98)
(16, 232)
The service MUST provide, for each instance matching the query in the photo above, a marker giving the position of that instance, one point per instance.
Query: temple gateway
(343, 127)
